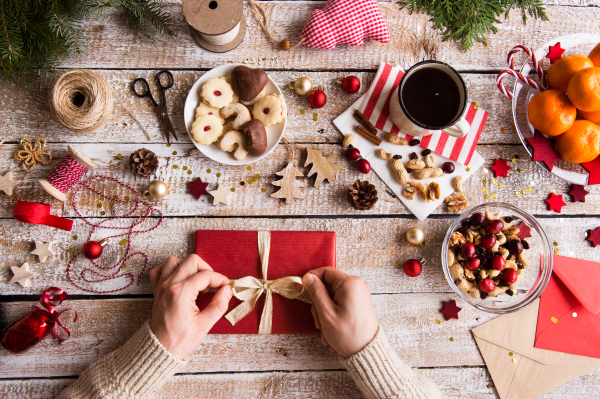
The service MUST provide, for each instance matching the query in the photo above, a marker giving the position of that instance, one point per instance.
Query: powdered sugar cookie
(269, 110)
(205, 109)
(241, 112)
(217, 92)
(207, 129)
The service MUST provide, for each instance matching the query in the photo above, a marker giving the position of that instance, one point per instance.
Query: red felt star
(524, 231)
(500, 168)
(555, 202)
(198, 188)
(555, 53)
(543, 149)
(594, 168)
(451, 310)
(578, 193)
(594, 237)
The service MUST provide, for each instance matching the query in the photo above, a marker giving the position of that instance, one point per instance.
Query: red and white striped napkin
(375, 107)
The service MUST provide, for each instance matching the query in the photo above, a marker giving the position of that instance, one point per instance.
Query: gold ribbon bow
(30, 155)
(249, 289)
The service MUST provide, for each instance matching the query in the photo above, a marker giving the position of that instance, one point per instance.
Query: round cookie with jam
(217, 92)
(207, 129)
(270, 110)
(205, 109)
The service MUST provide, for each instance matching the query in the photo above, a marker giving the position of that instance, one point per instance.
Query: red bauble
(93, 249)
(363, 166)
(412, 267)
(351, 84)
(317, 98)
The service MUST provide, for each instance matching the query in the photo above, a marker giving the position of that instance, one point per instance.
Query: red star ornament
(594, 236)
(594, 168)
(543, 149)
(198, 188)
(555, 53)
(578, 193)
(524, 231)
(555, 202)
(500, 168)
(451, 310)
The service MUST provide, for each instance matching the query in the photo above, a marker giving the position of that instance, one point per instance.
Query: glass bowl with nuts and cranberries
(497, 257)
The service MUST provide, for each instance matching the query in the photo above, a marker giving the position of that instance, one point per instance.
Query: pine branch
(147, 17)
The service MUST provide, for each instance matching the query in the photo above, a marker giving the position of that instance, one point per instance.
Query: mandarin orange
(563, 70)
(581, 143)
(593, 117)
(595, 55)
(584, 89)
(551, 112)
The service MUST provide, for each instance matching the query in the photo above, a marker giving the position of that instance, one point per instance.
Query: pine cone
(143, 162)
(362, 195)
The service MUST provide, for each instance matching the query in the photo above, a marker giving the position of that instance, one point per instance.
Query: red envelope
(293, 253)
(569, 319)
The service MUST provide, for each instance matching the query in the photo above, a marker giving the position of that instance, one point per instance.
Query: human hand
(176, 321)
(342, 309)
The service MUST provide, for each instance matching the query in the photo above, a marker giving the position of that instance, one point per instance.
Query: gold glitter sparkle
(501, 186)
(555, 244)
(71, 250)
(556, 250)
(302, 111)
(487, 196)
(123, 241)
(126, 198)
(484, 189)
(517, 193)
(119, 156)
(468, 169)
(74, 237)
(249, 167)
(510, 354)
(207, 170)
(232, 190)
(168, 145)
(494, 195)
(264, 190)
(123, 266)
(514, 360)
(484, 181)
(398, 261)
(99, 205)
(175, 166)
(189, 172)
(218, 175)
(554, 319)
(451, 339)
(174, 153)
(184, 168)
(438, 322)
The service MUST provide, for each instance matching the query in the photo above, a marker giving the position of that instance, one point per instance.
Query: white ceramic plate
(274, 132)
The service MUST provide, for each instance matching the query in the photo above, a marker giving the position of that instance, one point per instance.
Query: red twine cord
(113, 271)
(66, 174)
(35, 213)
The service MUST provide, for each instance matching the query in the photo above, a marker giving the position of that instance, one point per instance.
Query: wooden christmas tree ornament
(289, 185)
(217, 25)
(321, 166)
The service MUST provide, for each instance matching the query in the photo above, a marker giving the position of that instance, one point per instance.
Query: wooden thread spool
(66, 174)
(217, 25)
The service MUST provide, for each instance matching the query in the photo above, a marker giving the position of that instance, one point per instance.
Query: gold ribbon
(30, 155)
(249, 289)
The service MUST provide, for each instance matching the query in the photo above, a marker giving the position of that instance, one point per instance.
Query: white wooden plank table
(369, 243)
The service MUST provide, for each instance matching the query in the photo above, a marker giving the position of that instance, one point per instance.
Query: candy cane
(513, 72)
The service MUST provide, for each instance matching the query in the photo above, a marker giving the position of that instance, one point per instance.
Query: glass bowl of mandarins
(559, 126)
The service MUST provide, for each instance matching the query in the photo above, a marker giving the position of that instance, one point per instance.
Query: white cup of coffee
(431, 97)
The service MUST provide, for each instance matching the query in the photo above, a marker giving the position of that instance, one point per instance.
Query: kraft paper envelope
(535, 371)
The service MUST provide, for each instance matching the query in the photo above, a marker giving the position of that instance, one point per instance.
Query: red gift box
(293, 253)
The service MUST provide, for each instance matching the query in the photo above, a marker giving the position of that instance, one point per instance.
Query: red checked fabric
(345, 22)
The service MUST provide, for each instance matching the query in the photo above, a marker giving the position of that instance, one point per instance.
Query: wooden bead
(285, 45)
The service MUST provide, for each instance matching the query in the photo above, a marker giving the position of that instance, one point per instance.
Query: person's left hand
(176, 320)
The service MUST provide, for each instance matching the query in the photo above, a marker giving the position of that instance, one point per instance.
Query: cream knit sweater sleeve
(380, 374)
(133, 371)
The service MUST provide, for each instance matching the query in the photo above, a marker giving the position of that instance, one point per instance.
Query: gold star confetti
(475, 106)
(168, 145)
(71, 250)
(554, 191)
(514, 360)
(184, 168)
(517, 193)
(249, 167)
(484, 181)
(494, 195)
(123, 241)
(302, 111)
(528, 190)
(510, 354)
(123, 266)
(119, 156)
(468, 169)
(256, 176)
(574, 314)
(555, 244)
(501, 186)
(189, 172)
(556, 251)
(74, 237)
(524, 191)
(514, 160)
(398, 262)
(484, 189)
(232, 190)
(315, 118)
(218, 175)
(438, 322)
(175, 166)
(487, 196)
(99, 205)
(102, 213)
(421, 373)
(264, 190)
(174, 153)
(554, 320)
(451, 339)
(126, 198)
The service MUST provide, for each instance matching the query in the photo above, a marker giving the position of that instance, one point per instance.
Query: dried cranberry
(466, 223)
(525, 244)
(487, 285)
(508, 219)
(426, 152)
(413, 155)
(510, 292)
(472, 264)
(488, 241)
(467, 250)
(477, 219)
(498, 263)
(414, 142)
(483, 295)
(495, 226)
(448, 167)
(515, 247)
(511, 276)
(397, 156)
(352, 154)
(363, 166)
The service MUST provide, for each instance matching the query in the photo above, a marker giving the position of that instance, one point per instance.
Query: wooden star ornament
(43, 250)
(451, 310)
(594, 237)
(555, 53)
(198, 188)
(221, 195)
(555, 202)
(578, 193)
(543, 149)
(7, 183)
(524, 231)
(500, 168)
(321, 166)
(22, 275)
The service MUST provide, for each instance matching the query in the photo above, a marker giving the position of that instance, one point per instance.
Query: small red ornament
(555, 202)
(555, 53)
(412, 267)
(93, 249)
(317, 98)
(524, 231)
(198, 188)
(500, 168)
(351, 84)
(578, 193)
(594, 237)
(451, 310)
(363, 166)
(543, 149)
(594, 168)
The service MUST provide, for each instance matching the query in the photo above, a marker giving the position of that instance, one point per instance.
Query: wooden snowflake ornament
(321, 166)
(289, 185)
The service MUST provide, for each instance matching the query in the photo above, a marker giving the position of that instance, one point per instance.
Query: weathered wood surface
(25, 111)
(110, 45)
(249, 200)
(368, 248)
(459, 383)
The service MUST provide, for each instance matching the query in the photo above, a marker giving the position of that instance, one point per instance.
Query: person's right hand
(342, 309)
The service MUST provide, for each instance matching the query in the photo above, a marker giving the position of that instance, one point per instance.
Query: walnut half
(457, 202)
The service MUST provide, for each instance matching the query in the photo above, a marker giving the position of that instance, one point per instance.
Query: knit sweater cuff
(134, 370)
(380, 374)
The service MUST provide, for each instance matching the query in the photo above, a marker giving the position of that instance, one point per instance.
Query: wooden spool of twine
(82, 101)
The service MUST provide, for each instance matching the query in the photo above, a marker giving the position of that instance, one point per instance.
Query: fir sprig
(468, 21)
(36, 34)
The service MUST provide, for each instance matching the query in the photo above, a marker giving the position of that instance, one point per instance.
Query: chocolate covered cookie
(248, 83)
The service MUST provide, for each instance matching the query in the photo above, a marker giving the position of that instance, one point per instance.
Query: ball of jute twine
(82, 101)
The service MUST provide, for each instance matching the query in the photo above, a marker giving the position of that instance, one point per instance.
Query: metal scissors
(160, 109)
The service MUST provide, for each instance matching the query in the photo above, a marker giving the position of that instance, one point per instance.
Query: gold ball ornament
(303, 85)
(415, 236)
(158, 189)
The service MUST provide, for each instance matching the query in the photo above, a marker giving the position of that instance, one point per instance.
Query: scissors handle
(169, 79)
(144, 84)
